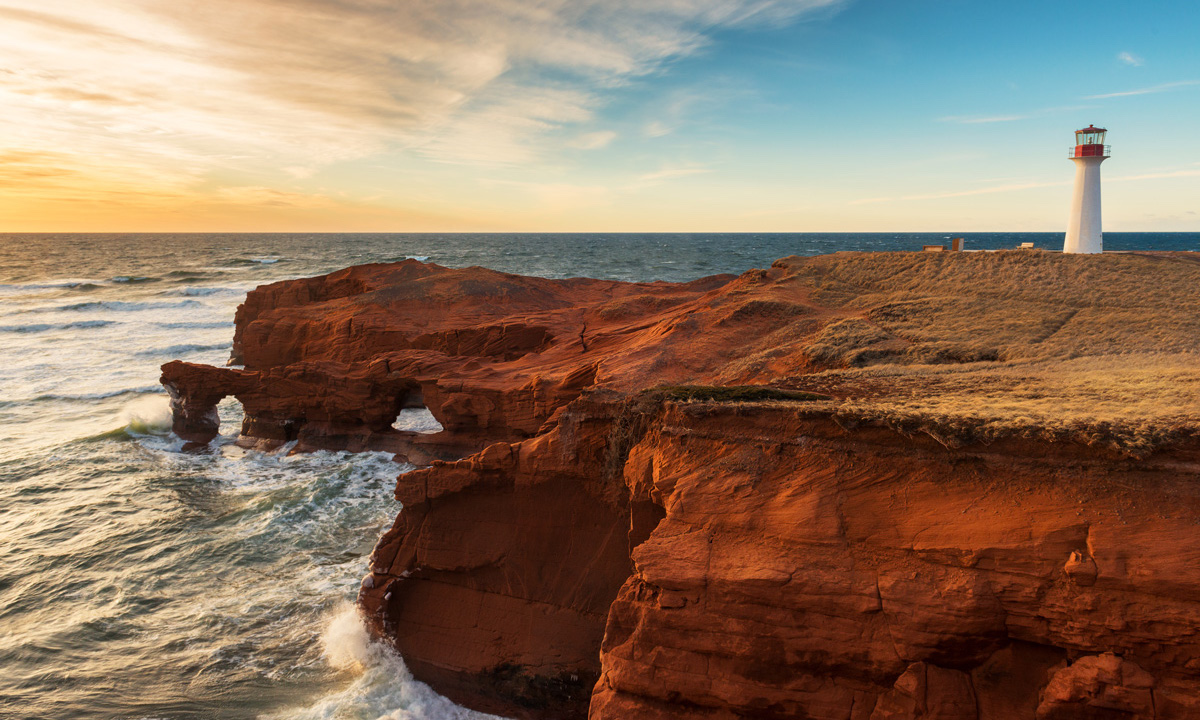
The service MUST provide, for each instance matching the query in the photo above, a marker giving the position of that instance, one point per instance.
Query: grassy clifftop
(1001, 342)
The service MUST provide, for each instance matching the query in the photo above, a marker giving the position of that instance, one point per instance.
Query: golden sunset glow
(569, 115)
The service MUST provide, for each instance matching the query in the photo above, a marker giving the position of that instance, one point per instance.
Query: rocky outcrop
(330, 361)
(988, 512)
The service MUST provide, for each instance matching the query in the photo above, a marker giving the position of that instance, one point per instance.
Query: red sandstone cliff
(993, 516)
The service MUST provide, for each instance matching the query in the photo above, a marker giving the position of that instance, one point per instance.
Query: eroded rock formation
(992, 514)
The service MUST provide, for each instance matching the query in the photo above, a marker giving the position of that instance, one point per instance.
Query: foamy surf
(149, 415)
(382, 688)
(418, 420)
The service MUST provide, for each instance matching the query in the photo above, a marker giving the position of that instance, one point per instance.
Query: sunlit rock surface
(990, 514)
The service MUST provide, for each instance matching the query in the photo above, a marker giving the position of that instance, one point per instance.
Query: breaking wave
(384, 689)
(147, 416)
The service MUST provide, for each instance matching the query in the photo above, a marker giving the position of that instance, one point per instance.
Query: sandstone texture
(852, 487)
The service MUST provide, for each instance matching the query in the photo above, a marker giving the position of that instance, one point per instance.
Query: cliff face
(991, 515)
(758, 560)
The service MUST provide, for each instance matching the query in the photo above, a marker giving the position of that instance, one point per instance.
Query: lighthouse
(1083, 224)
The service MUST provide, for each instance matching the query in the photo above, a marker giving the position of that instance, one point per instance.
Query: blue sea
(138, 581)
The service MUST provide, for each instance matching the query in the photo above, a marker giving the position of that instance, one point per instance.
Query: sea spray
(346, 642)
(418, 420)
(150, 415)
(381, 688)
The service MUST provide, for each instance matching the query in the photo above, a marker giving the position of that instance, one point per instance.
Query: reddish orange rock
(992, 516)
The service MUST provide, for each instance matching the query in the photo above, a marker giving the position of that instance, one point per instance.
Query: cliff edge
(863, 486)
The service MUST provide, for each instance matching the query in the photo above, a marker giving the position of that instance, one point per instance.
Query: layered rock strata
(992, 514)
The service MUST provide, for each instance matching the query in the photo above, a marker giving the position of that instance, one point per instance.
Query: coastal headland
(860, 486)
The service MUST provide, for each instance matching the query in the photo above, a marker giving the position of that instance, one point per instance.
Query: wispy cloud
(999, 118)
(1145, 91)
(1130, 59)
(669, 173)
(286, 84)
(593, 140)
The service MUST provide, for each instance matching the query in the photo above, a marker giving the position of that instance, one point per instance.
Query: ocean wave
(182, 349)
(193, 276)
(175, 274)
(418, 258)
(134, 279)
(120, 306)
(140, 418)
(15, 288)
(100, 395)
(194, 325)
(384, 689)
(44, 327)
(147, 416)
(204, 291)
(256, 261)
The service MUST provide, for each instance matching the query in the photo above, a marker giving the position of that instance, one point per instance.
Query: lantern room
(1089, 142)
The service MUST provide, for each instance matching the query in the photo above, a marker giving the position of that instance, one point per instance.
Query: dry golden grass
(1102, 348)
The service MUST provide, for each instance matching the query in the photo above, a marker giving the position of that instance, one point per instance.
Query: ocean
(138, 581)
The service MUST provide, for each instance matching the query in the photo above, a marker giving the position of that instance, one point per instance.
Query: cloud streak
(985, 119)
(1145, 91)
(262, 85)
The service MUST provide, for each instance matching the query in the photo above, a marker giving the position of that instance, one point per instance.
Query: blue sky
(582, 115)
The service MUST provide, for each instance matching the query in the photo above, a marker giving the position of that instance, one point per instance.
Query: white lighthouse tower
(1083, 224)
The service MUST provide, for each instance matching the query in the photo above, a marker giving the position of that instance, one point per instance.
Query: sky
(592, 115)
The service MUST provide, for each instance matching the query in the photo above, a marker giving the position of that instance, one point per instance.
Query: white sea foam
(419, 420)
(383, 689)
(147, 416)
(346, 642)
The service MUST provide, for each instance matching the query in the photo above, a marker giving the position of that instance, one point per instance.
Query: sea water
(139, 581)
